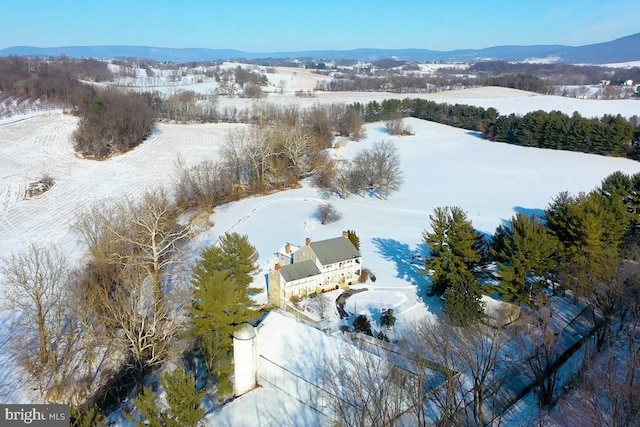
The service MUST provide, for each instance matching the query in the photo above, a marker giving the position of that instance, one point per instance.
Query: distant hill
(620, 50)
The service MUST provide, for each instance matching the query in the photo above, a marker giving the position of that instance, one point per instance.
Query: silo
(244, 359)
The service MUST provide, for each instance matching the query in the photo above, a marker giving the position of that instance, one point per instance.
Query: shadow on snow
(409, 266)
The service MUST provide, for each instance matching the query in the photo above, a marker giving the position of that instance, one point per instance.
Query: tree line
(608, 135)
(110, 121)
(555, 74)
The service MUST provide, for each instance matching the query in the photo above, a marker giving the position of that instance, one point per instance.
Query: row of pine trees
(609, 135)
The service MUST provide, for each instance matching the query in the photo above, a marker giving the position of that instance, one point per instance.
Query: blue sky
(280, 25)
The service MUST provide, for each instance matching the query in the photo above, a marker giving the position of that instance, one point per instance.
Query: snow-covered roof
(266, 406)
(283, 249)
(300, 348)
(334, 250)
(299, 270)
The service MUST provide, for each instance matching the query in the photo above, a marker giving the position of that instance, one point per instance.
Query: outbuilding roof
(299, 270)
(334, 250)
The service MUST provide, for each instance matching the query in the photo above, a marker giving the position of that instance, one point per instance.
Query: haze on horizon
(283, 25)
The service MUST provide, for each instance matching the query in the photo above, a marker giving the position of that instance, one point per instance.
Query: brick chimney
(345, 234)
(287, 248)
(307, 241)
(277, 267)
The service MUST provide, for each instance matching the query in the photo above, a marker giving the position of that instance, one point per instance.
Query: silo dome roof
(245, 332)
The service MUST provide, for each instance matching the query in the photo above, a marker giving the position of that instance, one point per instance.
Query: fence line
(295, 386)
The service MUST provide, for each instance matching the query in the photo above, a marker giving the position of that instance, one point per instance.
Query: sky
(294, 25)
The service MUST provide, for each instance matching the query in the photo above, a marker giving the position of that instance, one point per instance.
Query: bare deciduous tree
(365, 389)
(296, 145)
(540, 342)
(144, 234)
(232, 153)
(321, 304)
(145, 327)
(480, 350)
(378, 168)
(327, 214)
(45, 337)
(205, 185)
(342, 178)
(607, 393)
(395, 126)
(38, 279)
(153, 237)
(386, 164)
(468, 366)
(441, 399)
(134, 250)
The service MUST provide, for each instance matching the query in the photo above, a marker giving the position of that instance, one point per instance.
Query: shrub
(305, 94)
(364, 275)
(40, 186)
(395, 126)
(362, 325)
(253, 91)
(328, 214)
(295, 300)
(382, 336)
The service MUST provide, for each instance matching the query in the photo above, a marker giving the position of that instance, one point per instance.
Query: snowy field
(505, 100)
(442, 166)
(280, 79)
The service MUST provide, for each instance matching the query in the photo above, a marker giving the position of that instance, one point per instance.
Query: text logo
(34, 415)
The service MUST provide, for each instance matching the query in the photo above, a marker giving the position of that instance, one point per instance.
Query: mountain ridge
(623, 49)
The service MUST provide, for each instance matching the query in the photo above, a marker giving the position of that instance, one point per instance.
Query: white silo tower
(244, 359)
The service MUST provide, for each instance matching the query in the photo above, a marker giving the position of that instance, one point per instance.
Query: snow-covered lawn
(442, 166)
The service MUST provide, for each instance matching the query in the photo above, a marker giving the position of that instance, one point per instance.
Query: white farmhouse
(314, 267)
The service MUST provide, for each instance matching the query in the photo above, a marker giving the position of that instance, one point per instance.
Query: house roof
(283, 249)
(334, 250)
(299, 270)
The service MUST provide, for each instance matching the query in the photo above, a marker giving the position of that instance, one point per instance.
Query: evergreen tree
(462, 303)
(387, 319)
(437, 242)
(149, 413)
(618, 183)
(577, 133)
(454, 254)
(525, 254)
(91, 417)
(591, 229)
(183, 403)
(633, 205)
(222, 301)
(462, 236)
(182, 398)
(234, 255)
(220, 305)
(353, 237)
